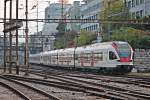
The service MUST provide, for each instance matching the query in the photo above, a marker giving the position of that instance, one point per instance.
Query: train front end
(125, 55)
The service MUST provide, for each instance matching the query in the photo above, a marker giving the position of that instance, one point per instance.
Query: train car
(107, 57)
(35, 58)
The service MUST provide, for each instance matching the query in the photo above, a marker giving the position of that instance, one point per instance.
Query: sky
(32, 13)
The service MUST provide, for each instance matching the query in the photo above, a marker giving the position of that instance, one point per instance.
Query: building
(36, 43)
(73, 13)
(139, 8)
(54, 11)
(91, 10)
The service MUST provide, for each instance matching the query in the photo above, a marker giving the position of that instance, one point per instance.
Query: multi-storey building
(36, 43)
(91, 10)
(54, 11)
(73, 13)
(139, 8)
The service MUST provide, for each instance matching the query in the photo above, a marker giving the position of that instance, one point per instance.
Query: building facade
(73, 13)
(91, 10)
(36, 43)
(139, 8)
(54, 11)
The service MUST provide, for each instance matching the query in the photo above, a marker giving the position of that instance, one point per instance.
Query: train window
(76, 56)
(100, 56)
(124, 50)
(112, 55)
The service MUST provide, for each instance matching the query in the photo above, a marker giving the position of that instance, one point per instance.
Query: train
(114, 57)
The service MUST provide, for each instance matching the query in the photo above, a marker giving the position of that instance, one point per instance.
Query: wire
(85, 21)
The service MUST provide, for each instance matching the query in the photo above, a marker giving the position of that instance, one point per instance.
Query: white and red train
(107, 57)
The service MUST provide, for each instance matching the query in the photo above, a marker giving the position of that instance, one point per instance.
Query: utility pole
(26, 42)
(9, 26)
(5, 1)
(17, 57)
(109, 18)
(37, 16)
(62, 7)
(10, 40)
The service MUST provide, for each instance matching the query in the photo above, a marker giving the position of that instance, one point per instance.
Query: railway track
(25, 91)
(103, 90)
(7, 93)
(123, 80)
(78, 81)
(133, 80)
(68, 86)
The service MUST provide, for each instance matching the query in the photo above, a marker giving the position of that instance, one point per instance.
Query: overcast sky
(32, 13)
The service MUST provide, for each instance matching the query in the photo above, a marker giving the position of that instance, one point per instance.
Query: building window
(129, 4)
(141, 1)
(96, 26)
(141, 13)
(96, 16)
(137, 2)
(138, 14)
(48, 16)
(133, 15)
(133, 3)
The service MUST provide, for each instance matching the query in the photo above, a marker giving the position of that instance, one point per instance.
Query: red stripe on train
(125, 59)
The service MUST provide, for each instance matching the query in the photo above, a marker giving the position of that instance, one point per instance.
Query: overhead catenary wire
(134, 21)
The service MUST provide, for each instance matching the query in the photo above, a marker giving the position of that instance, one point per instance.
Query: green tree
(84, 38)
(134, 36)
(65, 40)
(144, 42)
(61, 28)
(112, 10)
(59, 43)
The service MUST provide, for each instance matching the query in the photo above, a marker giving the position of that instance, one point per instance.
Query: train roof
(95, 46)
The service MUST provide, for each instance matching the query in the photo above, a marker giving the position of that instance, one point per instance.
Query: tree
(144, 42)
(135, 37)
(113, 10)
(59, 43)
(84, 38)
(65, 40)
(61, 28)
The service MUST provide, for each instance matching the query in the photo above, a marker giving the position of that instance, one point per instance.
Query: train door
(105, 58)
(112, 59)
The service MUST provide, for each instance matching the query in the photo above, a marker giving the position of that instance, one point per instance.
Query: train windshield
(123, 50)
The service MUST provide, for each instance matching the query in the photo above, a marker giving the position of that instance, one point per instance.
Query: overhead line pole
(26, 42)
(62, 12)
(37, 16)
(17, 57)
(10, 40)
(5, 35)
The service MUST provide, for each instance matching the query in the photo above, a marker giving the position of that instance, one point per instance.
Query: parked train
(108, 57)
